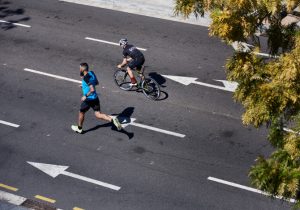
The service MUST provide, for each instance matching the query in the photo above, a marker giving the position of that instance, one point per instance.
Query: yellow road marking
(45, 199)
(8, 187)
(77, 208)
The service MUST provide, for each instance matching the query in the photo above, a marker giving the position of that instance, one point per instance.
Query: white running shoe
(76, 129)
(117, 124)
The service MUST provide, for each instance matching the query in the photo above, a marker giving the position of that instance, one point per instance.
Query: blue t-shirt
(89, 79)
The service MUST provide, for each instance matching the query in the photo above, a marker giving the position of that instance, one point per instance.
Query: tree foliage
(269, 88)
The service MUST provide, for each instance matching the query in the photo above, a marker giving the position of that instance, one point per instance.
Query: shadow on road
(161, 81)
(124, 117)
(163, 96)
(16, 15)
(158, 78)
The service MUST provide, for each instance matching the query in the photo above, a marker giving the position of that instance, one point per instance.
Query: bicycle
(149, 86)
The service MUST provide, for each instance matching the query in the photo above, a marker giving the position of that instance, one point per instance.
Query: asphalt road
(153, 169)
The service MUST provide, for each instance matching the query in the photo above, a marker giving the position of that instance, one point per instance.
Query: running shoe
(76, 129)
(117, 124)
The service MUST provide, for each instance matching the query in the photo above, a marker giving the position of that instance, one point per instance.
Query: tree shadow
(124, 117)
(6, 11)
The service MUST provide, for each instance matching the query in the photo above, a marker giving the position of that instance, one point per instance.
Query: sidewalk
(154, 8)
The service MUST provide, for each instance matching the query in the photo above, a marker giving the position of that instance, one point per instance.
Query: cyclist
(133, 57)
(90, 99)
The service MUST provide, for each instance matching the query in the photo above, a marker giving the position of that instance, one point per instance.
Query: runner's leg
(80, 119)
(103, 116)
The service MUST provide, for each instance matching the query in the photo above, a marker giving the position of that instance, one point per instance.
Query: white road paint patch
(221, 181)
(111, 43)
(16, 24)
(52, 75)
(290, 130)
(55, 170)
(11, 198)
(9, 124)
(228, 85)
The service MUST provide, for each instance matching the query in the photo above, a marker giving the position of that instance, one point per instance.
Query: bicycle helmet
(123, 42)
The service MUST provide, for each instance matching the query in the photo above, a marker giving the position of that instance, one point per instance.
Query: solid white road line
(52, 75)
(17, 24)
(9, 124)
(11, 198)
(245, 188)
(111, 43)
(157, 130)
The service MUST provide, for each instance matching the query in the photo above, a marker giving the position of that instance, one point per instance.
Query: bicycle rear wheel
(122, 80)
(151, 88)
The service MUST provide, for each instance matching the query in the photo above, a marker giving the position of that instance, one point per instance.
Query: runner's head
(123, 42)
(84, 67)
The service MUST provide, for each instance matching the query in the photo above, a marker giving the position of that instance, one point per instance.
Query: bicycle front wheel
(151, 89)
(122, 80)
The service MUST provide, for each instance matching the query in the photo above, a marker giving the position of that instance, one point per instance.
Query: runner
(90, 99)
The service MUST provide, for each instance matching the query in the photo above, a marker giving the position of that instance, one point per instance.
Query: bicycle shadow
(125, 119)
(161, 81)
(7, 11)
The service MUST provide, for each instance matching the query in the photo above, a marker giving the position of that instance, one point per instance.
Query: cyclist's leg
(130, 73)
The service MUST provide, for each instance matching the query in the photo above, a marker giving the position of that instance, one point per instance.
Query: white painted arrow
(228, 85)
(245, 47)
(55, 170)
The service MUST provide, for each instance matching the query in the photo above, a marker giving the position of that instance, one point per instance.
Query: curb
(24, 203)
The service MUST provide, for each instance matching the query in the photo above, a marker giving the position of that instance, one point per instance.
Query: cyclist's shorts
(136, 63)
(87, 104)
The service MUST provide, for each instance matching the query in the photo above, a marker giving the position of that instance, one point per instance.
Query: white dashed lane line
(52, 75)
(16, 24)
(111, 43)
(9, 124)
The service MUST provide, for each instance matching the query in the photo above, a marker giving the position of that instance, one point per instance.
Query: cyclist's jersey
(89, 79)
(132, 52)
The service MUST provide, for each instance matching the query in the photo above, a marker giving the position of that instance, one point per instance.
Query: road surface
(154, 170)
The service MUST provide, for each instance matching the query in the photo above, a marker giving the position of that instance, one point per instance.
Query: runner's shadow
(123, 117)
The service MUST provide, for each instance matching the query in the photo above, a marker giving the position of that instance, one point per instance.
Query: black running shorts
(87, 104)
